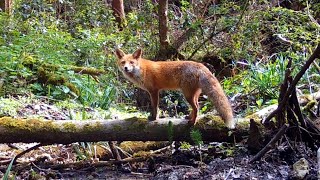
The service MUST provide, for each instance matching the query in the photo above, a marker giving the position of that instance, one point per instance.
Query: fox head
(128, 63)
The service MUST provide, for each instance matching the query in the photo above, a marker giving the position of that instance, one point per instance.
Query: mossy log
(77, 69)
(134, 129)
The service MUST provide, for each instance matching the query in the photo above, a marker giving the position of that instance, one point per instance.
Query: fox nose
(126, 69)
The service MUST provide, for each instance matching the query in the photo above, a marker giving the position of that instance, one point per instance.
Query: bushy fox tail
(212, 88)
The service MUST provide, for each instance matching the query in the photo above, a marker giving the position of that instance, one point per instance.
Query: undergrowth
(84, 34)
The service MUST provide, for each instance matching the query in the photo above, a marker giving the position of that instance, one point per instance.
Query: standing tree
(163, 29)
(6, 5)
(169, 50)
(118, 11)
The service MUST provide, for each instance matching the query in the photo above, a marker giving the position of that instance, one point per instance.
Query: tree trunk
(118, 12)
(163, 25)
(167, 50)
(6, 5)
(134, 129)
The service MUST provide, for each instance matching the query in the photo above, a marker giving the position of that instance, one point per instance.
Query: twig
(123, 152)
(315, 54)
(283, 88)
(297, 109)
(229, 173)
(82, 164)
(26, 151)
(114, 150)
(264, 150)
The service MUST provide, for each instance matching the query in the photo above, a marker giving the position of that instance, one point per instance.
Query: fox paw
(191, 121)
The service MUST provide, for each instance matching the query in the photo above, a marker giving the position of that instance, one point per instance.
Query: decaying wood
(255, 139)
(77, 69)
(280, 133)
(134, 129)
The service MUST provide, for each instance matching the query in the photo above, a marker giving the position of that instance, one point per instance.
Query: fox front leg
(154, 96)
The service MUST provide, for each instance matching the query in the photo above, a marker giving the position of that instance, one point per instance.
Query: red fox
(190, 77)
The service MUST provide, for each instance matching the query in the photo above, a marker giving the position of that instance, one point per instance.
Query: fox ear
(119, 53)
(137, 53)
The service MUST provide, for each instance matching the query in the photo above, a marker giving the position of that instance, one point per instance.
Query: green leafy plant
(7, 174)
(266, 78)
(185, 145)
(196, 137)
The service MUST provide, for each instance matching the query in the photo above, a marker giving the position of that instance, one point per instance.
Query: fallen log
(13, 130)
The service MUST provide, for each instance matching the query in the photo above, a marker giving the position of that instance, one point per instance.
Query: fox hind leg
(192, 98)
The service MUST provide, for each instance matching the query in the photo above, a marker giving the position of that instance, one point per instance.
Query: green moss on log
(97, 126)
(32, 125)
(46, 77)
(210, 120)
(69, 127)
(86, 70)
(116, 127)
(137, 123)
(76, 69)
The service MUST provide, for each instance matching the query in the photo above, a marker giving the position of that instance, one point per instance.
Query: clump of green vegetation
(59, 53)
(8, 107)
(28, 124)
(196, 137)
(185, 145)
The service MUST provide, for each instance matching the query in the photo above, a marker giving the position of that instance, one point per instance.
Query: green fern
(196, 137)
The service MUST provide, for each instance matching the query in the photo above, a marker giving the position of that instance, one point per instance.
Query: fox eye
(131, 62)
(123, 62)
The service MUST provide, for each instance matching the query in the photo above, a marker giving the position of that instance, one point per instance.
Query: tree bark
(118, 12)
(133, 129)
(6, 5)
(163, 25)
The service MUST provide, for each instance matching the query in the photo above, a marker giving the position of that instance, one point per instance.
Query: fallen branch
(82, 164)
(26, 151)
(133, 129)
(15, 158)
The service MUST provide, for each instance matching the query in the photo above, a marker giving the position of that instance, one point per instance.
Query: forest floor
(210, 161)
